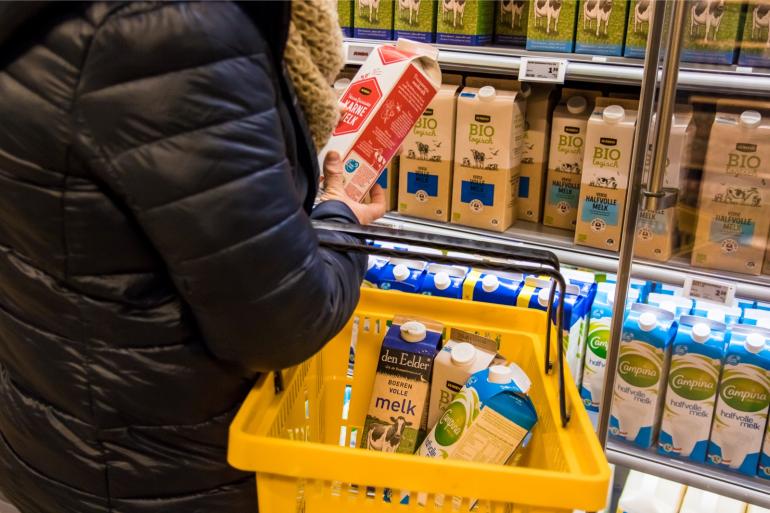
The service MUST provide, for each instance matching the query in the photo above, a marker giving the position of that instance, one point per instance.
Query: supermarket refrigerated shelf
(585, 68)
(561, 243)
(730, 484)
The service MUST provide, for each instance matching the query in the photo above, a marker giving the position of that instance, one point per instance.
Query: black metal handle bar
(500, 257)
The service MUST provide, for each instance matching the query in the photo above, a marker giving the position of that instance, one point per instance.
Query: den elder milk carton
(534, 153)
(734, 207)
(385, 98)
(606, 167)
(398, 411)
(488, 140)
(425, 186)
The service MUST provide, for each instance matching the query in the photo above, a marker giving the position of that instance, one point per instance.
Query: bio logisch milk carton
(488, 142)
(734, 208)
(601, 27)
(511, 22)
(565, 162)
(415, 20)
(397, 417)
(551, 26)
(713, 29)
(425, 188)
(639, 16)
(701, 501)
(656, 229)
(444, 281)
(373, 19)
(744, 393)
(644, 493)
(696, 363)
(492, 287)
(606, 167)
(642, 368)
(462, 356)
(345, 14)
(402, 274)
(385, 98)
(534, 155)
(595, 362)
(469, 22)
(755, 43)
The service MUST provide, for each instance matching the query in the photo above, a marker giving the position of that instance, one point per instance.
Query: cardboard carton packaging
(712, 29)
(373, 19)
(534, 155)
(601, 27)
(345, 14)
(551, 26)
(755, 43)
(465, 23)
(415, 20)
(639, 17)
(511, 17)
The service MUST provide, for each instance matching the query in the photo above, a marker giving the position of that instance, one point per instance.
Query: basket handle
(497, 257)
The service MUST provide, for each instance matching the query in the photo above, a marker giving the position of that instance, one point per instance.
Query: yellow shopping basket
(300, 437)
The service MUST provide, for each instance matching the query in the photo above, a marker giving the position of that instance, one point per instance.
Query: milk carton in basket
(385, 98)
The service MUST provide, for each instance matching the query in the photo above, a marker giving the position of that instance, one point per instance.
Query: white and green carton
(639, 16)
(755, 43)
(511, 20)
(711, 31)
(551, 26)
(345, 15)
(469, 22)
(601, 27)
(415, 20)
(373, 19)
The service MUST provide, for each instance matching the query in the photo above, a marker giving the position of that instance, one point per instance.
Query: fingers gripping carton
(384, 100)
(488, 143)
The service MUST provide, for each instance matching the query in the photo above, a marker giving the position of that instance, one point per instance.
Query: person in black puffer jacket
(156, 253)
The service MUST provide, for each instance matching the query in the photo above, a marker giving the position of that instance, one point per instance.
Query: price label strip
(542, 69)
(357, 54)
(707, 289)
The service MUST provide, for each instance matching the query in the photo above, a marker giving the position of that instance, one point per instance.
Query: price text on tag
(542, 69)
(710, 290)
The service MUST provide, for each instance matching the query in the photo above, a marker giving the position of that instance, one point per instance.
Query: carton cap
(543, 296)
(499, 374)
(647, 321)
(490, 283)
(401, 272)
(754, 342)
(613, 114)
(750, 118)
(520, 377)
(442, 280)
(341, 84)
(463, 353)
(487, 93)
(413, 331)
(701, 332)
(577, 105)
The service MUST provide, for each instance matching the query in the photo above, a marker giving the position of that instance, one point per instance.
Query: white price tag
(357, 54)
(710, 290)
(743, 69)
(542, 69)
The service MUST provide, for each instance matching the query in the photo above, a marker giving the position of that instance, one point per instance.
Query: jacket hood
(13, 16)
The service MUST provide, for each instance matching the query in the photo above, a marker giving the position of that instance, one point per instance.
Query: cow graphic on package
(387, 437)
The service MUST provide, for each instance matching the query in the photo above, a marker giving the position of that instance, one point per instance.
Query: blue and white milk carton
(373, 270)
(642, 368)
(759, 305)
(693, 379)
(492, 287)
(669, 290)
(683, 305)
(535, 293)
(444, 280)
(595, 363)
(581, 311)
(744, 394)
(402, 274)
(752, 317)
(721, 313)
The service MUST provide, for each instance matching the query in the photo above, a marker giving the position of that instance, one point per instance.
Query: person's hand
(334, 190)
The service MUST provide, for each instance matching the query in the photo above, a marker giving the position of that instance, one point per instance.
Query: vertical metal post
(633, 194)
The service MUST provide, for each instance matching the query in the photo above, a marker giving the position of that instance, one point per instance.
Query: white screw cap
(442, 280)
(750, 118)
(490, 283)
(577, 105)
(463, 353)
(647, 321)
(499, 374)
(701, 332)
(543, 296)
(401, 272)
(755, 342)
(487, 93)
(613, 114)
(413, 331)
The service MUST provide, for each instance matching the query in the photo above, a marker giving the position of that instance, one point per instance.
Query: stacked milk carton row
(716, 28)
(694, 377)
(425, 388)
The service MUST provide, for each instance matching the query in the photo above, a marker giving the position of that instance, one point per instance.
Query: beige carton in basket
(384, 100)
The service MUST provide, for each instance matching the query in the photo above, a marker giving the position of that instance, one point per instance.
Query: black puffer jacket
(156, 250)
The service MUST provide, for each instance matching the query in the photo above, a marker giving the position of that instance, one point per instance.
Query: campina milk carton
(463, 355)
(425, 187)
(534, 154)
(713, 28)
(601, 27)
(644, 493)
(373, 19)
(511, 22)
(595, 362)
(656, 229)
(764, 457)
(385, 98)
(693, 378)
(551, 26)
(744, 393)
(415, 20)
(488, 142)
(398, 411)
(734, 208)
(606, 168)
(755, 43)
(642, 367)
(701, 501)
